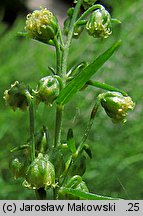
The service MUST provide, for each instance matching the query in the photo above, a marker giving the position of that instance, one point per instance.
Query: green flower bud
(82, 186)
(99, 24)
(41, 25)
(40, 174)
(17, 96)
(77, 29)
(116, 105)
(18, 166)
(48, 89)
(75, 183)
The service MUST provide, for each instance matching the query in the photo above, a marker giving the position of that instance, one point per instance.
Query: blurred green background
(116, 168)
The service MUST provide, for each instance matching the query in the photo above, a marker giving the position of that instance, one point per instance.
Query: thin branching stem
(69, 38)
(58, 126)
(89, 10)
(58, 57)
(31, 127)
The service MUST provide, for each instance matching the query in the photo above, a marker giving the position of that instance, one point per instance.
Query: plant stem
(58, 57)
(60, 108)
(59, 112)
(69, 38)
(31, 123)
(90, 123)
(97, 6)
(67, 171)
(60, 35)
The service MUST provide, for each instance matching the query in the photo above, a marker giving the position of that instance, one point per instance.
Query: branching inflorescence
(59, 165)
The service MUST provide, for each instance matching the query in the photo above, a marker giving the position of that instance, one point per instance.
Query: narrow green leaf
(85, 195)
(71, 141)
(77, 83)
(106, 87)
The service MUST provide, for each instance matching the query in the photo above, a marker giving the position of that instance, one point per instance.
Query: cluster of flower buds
(116, 105)
(47, 90)
(18, 96)
(41, 25)
(40, 174)
(77, 29)
(99, 24)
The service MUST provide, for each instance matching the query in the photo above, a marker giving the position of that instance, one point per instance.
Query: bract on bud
(18, 96)
(99, 24)
(40, 174)
(41, 25)
(116, 105)
(47, 90)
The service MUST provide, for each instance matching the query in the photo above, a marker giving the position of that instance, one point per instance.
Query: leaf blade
(78, 82)
(71, 141)
(86, 195)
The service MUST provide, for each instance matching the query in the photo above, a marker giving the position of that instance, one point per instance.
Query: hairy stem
(90, 123)
(31, 123)
(58, 126)
(58, 57)
(69, 38)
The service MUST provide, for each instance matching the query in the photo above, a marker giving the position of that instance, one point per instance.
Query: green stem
(69, 38)
(58, 125)
(60, 35)
(97, 6)
(60, 108)
(31, 122)
(58, 57)
(106, 87)
(67, 171)
(91, 120)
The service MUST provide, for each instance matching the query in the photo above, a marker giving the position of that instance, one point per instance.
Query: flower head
(47, 90)
(17, 96)
(99, 24)
(40, 174)
(41, 25)
(116, 105)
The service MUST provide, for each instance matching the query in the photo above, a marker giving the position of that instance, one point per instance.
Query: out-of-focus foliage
(116, 168)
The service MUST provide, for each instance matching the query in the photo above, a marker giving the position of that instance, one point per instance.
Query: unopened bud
(47, 90)
(116, 105)
(99, 24)
(18, 166)
(77, 29)
(40, 174)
